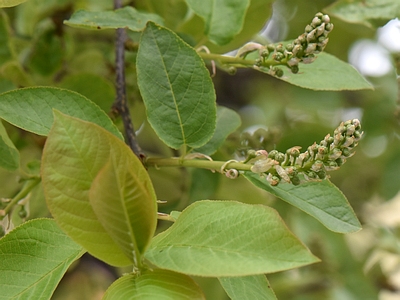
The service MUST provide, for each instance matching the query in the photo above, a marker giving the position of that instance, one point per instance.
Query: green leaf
(176, 88)
(227, 122)
(254, 287)
(157, 284)
(256, 16)
(9, 155)
(320, 199)
(126, 17)
(326, 73)
(223, 18)
(74, 153)
(228, 238)
(371, 13)
(34, 258)
(31, 109)
(172, 11)
(10, 3)
(123, 199)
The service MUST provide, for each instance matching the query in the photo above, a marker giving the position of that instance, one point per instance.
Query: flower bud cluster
(315, 162)
(303, 49)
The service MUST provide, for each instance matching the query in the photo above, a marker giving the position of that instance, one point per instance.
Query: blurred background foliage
(37, 49)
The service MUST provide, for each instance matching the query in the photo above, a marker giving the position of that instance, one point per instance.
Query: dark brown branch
(120, 105)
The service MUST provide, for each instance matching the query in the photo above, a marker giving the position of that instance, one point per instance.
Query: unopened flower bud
(271, 47)
(294, 69)
(317, 166)
(280, 157)
(308, 28)
(273, 180)
(348, 141)
(278, 56)
(335, 153)
(325, 19)
(350, 129)
(272, 154)
(320, 30)
(310, 48)
(316, 22)
(319, 15)
(329, 27)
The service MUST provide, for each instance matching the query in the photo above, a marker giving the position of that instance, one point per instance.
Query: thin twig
(120, 105)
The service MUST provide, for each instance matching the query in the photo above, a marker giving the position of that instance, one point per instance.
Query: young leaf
(320, 199)
(124, 201)
(227, 122)
(34, 258)
(74, 153)
(223, 18)
(255, 287)
(256, 16)
(157, 284)
(326, 73)
(126, 17)
(176, 88)
(372, 14)
(228, 238)
(10, 3)
(9, 155)
(31, 109)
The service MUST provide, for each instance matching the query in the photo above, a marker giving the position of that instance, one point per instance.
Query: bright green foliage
(83, 149)
(10, 3)
(255, 287)
(326, 73)
(31, 109)
(320, 199)
(176, 89)
(372, 13)
(223, 18)
(123, 199)
(9, 158)
(157, 284)
(126, 17)
(34, 258)
(227, 122)
(227, 238)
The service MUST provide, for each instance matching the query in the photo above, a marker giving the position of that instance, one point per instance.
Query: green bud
(308, 28)
(321, 174)
(310, 48)
(340, 161)
(346, 152)
(279, 48)
(294, 69)
(289, 47)
(311, 174)
(273, 180)
(319, 15)
(22, 213)
(280, 157)
(272, 154)
(278, 56)
(264, 53)
(325, 19)
(271, 47)
(316, 22)
(335, 153)
(258, 62)
(329, 27)
(295, 180)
